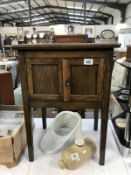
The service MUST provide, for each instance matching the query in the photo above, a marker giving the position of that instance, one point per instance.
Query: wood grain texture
(66, 80)
(70, 38)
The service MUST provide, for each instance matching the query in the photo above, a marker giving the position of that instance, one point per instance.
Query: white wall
(60, 29)
(100, 28)
(128, 14)
(38, 28)
(8, 30)
(63, 29)
(117, 16)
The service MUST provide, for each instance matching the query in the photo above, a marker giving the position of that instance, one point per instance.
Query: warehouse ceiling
(50, 12)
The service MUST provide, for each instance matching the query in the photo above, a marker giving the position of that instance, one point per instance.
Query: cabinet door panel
(84, 81)
(45, 78)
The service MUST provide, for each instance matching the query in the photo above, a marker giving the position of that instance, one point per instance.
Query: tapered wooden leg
(105, 108)
(59, 110)
(96, 113)
(43, 111)
(27, 111)
(29, 132)
(104, 122)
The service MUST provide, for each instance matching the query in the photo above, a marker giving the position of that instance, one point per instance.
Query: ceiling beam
(11, 2)
(57, 13)
(84, 4)
(54, 7)
(62, 22)
(29, 6)
(115, 5)
(62, 19)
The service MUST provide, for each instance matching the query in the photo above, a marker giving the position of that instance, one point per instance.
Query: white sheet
(48, 164)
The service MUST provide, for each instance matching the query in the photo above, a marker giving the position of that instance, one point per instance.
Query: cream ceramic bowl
(41, 35)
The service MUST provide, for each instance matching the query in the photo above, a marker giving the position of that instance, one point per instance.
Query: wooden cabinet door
(45, 79)
(83, 80)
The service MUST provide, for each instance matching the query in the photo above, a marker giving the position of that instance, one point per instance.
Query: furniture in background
(49, 37)
(81, 38)
(128, 55)
(120, 53)
(122, 104)
(10, 66)
(119, 77)
(118, 81)
(66, 76)
(6, 88)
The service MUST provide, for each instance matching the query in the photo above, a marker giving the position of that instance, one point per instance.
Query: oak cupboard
(67, 76)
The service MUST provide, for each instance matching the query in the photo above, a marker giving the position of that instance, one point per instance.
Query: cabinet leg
(82, 113)
(29, 133)
(43, 111)
(96, 113)
(104, 122)
(59, 110)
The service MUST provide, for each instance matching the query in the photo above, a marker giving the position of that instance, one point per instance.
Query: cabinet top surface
(69, 46)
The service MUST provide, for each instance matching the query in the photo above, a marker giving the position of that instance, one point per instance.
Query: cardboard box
(12, 137)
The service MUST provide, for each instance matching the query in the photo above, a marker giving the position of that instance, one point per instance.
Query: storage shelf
(120, 131)
(7, 46)
(123, 104)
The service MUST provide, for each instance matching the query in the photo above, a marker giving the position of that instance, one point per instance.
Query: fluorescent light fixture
(74, 13)
(41, 22)
(73, 7)
(72, 17)
(11, 2)
(32, 15)
(19, 10)
(89, 15)
(78, 21)
(93, 9)
(34, 19)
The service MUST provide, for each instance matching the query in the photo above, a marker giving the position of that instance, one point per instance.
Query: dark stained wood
(67, 46)
(66, 80)
(43, 111)
(6, 88)
(80, 84)
(96, 113)
(105, 106)
(70, 38)
(27, 108)
(66, 105)
(11, 107)
(49, 71)
(128, 54)
(54, 75)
